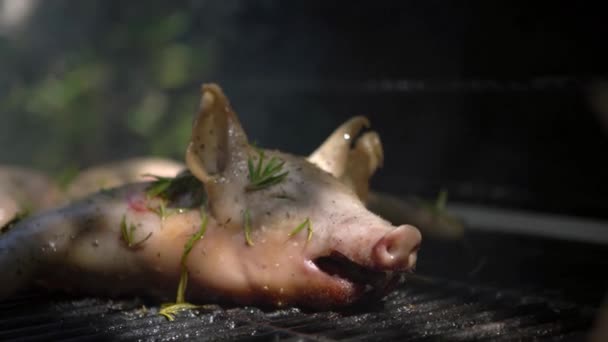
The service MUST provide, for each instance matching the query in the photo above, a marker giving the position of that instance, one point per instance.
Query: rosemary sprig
(172, 189)
(438, 207)
(247, 227)
(176, 195)
(262, 176)
(441, 201)
(283, 196)
(163, 211)
(306, 224)
(159, 186)
(199, 235)
(169, 310)
(127, 234)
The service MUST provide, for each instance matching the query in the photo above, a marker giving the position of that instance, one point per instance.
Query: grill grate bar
(422, 310)
(67, 318)
(30, 319)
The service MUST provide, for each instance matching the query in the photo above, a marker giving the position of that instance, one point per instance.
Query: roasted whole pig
(242, 225)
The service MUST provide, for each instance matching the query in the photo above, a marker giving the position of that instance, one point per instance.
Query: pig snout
(397, 249)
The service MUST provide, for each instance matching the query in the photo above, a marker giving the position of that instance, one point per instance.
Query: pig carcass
(246, 225)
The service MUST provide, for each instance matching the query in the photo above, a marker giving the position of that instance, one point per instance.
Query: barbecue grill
(496, 286)
(498, 104)
(426, 309)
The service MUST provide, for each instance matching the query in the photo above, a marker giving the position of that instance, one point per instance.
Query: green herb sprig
(163, 211)
(438, 210)
(171, 191)
(128, 232)
(262, 176)
(247, 227)
(438, 207)
(442, 200)
(169, 310)
(306, 224)
(170, 188)
(159, 186)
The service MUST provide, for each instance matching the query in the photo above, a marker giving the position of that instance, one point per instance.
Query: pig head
(305, 239)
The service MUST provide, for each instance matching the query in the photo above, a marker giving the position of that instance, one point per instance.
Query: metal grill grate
(424, 309)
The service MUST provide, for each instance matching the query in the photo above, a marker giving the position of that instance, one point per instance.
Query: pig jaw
(274, 272)
(280, 271)
(359, 251)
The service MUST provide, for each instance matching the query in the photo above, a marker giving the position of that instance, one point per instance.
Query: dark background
(500, 103)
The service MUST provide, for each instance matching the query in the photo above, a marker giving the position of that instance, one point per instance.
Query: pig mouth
(366, 281)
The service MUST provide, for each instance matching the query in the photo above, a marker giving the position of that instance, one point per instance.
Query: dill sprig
(247, 227)
(169, 310)
(127, 234)
(306, 224)
(262, 176)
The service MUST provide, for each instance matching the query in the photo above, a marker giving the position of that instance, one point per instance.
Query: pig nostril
(392, 249)
(397, 250)
(392, 253)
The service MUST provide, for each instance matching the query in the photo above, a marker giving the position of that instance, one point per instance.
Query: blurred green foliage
(114, 90)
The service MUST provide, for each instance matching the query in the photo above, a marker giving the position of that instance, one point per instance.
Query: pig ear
(332, 155)
(218, 140)
(363, 161)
